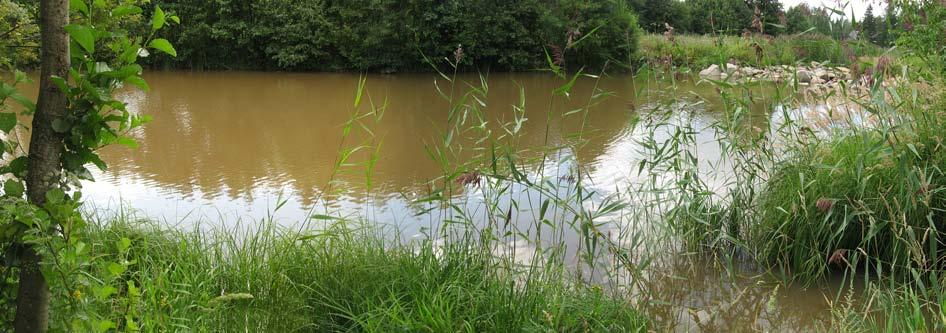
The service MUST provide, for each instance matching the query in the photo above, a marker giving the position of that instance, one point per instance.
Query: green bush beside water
(335, 280)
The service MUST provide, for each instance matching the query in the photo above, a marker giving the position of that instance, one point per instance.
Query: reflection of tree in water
(233, 133)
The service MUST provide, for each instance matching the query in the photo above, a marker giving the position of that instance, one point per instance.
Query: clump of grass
(342, 279)
(872, 193)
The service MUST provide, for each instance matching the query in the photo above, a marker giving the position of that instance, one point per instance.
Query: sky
(858, 6)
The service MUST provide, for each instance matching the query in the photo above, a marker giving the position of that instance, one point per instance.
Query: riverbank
(700, 51)
(339, 279)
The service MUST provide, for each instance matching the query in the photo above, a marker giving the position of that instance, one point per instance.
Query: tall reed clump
(338, 279)
(871, 198)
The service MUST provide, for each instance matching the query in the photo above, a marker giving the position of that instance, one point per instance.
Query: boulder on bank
(804, 76)
(712, 71)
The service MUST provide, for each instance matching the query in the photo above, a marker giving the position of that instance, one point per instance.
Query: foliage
(102, 61)
(729, 17)
(698, 52)
(924, 32)
(389, 36)
(653, 14)
(18, 35)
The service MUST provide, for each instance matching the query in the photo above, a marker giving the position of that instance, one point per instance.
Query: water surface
(235, 145)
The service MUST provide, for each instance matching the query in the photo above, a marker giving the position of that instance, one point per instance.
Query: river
(231, 146)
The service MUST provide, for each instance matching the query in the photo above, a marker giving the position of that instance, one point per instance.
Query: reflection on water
(237, 144)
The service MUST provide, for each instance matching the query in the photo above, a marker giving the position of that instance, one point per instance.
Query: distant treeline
(735, 17)
(405, 35)
(399, 35)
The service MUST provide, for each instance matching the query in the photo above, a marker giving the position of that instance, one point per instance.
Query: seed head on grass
(824, 204)
(838, 257)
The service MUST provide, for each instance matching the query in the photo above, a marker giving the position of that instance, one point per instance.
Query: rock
(804, 76)
(711, 71)
(731, 68)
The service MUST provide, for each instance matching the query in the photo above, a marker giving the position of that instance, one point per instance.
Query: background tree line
(401, 35)
(735, 17)
(397, 35)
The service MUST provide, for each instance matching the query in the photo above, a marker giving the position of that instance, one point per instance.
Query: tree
(869, 25)
(32, 302)
(75, 115)
(653, 14)
(719, 16)
(772, 15)
(797, 19)
(18, 33)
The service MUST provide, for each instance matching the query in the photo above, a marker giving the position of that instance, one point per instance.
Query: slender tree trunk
(32, 301)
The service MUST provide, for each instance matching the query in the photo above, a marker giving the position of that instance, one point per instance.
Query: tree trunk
(32, 301)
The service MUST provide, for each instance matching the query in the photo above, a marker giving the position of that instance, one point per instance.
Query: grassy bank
(336, 280)
(699, 51)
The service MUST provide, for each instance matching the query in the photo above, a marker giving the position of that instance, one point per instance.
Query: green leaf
(138, 82)
(13, 188)
(163, 45)
(157, 20)
(103, 292)
(55, 196)
(60, 83)
(175, 19)
(82, 35)
(7, 121)
(127, 142)
(80, 6)
(123, 244)
(121, 11)
(116, 269)
(17, 166)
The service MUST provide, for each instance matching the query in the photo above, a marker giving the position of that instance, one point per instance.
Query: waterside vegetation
(837, 184)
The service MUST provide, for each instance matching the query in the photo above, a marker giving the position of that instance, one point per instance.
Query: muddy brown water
(234, 145)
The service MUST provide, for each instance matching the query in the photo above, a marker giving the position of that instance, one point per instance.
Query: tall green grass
(340, 279)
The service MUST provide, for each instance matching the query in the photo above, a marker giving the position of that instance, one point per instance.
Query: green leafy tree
(798, 19)
(18, 35)
(772, 15)
(653, 14)
(719, 16)
(869, 30)
(76, 114)
(592, 34)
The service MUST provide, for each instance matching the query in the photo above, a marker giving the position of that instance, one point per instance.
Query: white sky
(858, 6)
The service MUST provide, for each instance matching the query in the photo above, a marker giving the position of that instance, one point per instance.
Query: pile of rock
(816, 78)
(816, 74)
